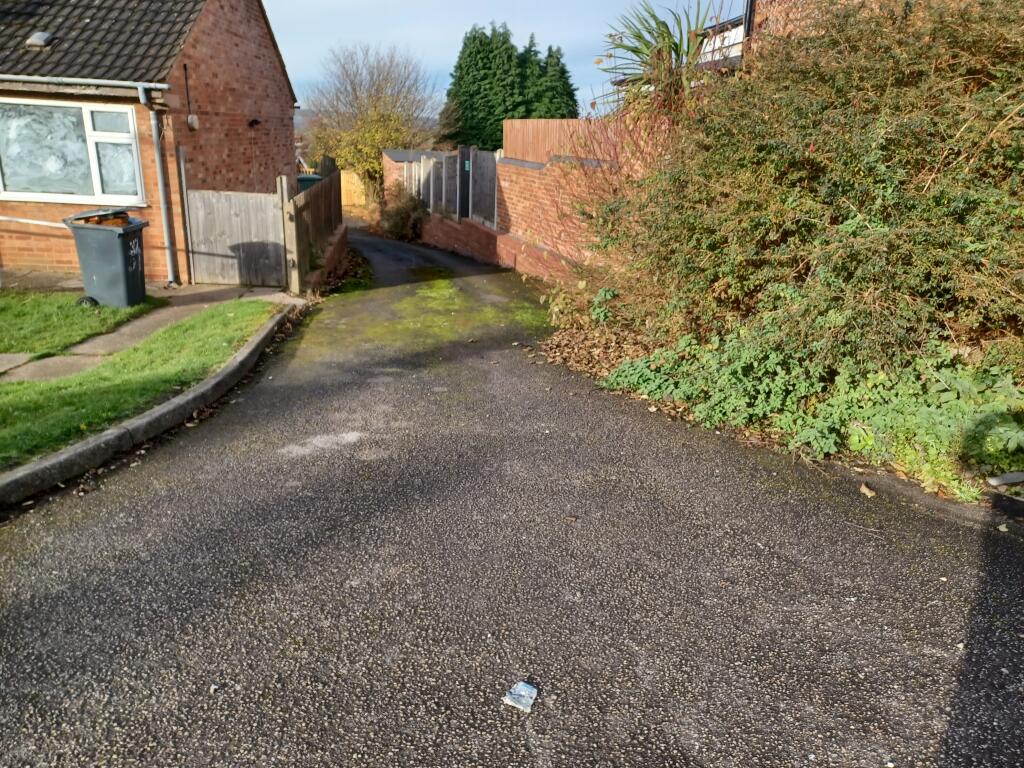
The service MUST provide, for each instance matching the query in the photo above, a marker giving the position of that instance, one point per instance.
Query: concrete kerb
(75, 460)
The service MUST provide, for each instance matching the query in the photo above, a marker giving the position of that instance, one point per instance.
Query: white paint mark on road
(321, 443)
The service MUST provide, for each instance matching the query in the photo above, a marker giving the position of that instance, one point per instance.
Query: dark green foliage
(838, 234)
(505, 98)
(493, 82)
(465, 116)
(531, 73)
(557, 94)
(928, 420)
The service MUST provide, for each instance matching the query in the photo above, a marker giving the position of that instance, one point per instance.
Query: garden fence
(461, 184)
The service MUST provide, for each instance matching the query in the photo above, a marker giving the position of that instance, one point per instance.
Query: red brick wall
(467, 238)
(538, 232)
(394, 173)
(537, 206)
(491, 247)
(234, 76)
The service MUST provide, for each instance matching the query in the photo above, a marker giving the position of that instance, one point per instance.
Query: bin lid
(106, 218)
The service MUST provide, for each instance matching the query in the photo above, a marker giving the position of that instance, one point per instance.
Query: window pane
(43, 149)
(117, 168)
(111, 122)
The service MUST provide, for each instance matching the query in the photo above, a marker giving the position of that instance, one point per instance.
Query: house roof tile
(129, 40)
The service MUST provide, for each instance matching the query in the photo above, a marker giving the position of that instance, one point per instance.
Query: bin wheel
(87, 301)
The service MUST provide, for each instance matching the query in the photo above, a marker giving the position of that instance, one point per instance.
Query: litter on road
(521, 696)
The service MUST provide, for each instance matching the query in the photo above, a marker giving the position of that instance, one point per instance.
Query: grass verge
(45, 324)
(40, 417)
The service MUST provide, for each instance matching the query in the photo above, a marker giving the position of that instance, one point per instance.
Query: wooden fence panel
(437, 186)
(237, 238)
(536, 141)
(484, 186)
(451, 185)
(314, 216)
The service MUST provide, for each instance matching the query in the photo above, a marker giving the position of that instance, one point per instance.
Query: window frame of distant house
(127, 136)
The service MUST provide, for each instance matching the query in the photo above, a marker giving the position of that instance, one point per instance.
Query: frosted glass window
(44, 149)
(117, 168)
(111, 122)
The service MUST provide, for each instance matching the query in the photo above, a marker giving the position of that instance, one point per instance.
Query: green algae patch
(437, 307)
(442, 310)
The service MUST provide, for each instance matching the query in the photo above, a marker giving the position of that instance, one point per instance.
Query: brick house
(125, 102)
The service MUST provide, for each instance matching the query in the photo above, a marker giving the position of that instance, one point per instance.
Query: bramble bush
(834, 250)
(402, 215)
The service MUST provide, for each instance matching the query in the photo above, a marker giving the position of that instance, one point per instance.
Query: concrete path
(183, 302)
(406, 514)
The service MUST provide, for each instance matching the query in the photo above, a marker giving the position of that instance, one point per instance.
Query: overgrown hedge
(834, 251)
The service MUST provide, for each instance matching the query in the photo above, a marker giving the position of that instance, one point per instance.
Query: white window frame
(92, 138)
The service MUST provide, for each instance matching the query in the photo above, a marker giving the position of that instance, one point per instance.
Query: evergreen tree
(531, 70)
(505, 97)
(464, 115)
(493, 82)
(557, 93)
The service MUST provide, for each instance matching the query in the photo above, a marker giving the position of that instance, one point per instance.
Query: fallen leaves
(866, 490)
(596, 351)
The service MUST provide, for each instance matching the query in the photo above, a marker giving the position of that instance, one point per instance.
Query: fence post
(472, 173)
(433, 183)
(293, 276)
(497, 159)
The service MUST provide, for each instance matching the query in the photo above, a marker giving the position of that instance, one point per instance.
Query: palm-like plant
(653, 55)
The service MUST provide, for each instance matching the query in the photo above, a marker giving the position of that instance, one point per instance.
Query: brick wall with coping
(489, 246)
(234, 76)
(538, 233)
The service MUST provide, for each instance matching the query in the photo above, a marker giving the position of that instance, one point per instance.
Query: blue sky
(432, 31)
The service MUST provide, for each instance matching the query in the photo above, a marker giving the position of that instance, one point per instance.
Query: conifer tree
(466, 110)
(531, 70)
(493, 82)
(557, 98)
(505, 97)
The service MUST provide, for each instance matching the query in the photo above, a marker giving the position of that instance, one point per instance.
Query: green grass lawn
(44, 324)
(40, 417)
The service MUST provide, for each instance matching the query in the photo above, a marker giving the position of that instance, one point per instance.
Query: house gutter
(143, 90)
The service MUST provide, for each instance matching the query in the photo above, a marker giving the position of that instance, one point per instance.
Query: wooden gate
(237, 238)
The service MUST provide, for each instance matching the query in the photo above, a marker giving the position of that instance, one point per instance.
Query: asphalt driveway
(406, 514)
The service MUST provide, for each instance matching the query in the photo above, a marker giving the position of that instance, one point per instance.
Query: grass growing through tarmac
(39, 417)
(44, 324)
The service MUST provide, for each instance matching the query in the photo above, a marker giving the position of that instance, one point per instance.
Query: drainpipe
(143, 90)
(748, 20)
(161, 180)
